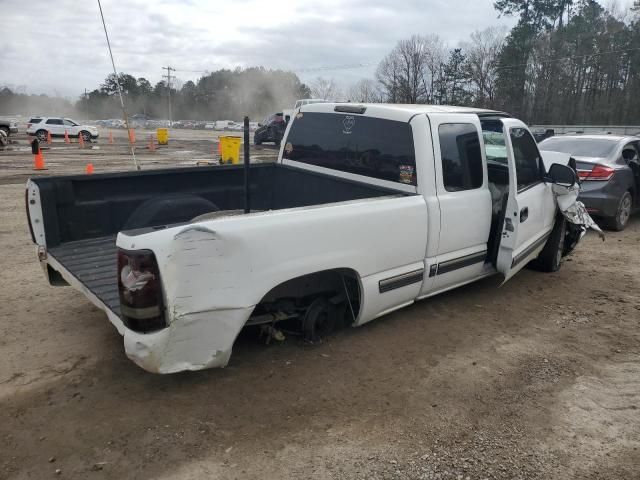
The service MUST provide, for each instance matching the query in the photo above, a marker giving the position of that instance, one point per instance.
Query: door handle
(524, 214)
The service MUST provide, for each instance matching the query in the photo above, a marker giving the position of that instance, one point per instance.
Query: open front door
(530, 209)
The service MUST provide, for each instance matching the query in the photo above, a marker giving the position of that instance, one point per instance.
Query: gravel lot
(539, 378)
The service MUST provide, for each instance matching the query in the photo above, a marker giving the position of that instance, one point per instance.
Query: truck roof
(398, 111)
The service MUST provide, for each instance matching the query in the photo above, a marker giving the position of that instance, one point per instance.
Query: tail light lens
(599, 172)
(141, 300)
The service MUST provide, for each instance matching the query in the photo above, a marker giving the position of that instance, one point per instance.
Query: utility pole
(168, 77)
(86, 101)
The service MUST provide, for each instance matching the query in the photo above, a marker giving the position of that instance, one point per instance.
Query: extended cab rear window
(373, 147)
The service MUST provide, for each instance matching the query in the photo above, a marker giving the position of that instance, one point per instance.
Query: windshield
(368, 146)
(580, 147)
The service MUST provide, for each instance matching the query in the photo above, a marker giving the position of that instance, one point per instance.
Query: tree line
(223, 94)
(564, 62)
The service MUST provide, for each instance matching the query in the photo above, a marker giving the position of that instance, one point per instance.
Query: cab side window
(461, 156)
(529, 167)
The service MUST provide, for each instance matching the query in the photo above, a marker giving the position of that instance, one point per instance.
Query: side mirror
(562, 175)
(259, 124)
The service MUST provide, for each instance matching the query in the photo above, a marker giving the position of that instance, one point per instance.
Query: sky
(59, 47)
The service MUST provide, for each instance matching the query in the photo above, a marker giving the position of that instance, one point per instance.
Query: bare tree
(409, 73)
(436, 57)
(482, 57)
(325, 89)
(365, 91)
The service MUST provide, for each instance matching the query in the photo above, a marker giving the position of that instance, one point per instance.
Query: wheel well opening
(341, 287)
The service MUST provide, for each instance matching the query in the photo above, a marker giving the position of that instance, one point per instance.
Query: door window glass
(461, 156)
(527, 158)
(54, 121)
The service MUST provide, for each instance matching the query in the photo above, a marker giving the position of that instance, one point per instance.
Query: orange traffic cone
(89, 169)
(132, 136)
(81, 140)
(66, 137)
(152, 144)
(110, 137)
(49, 138)
(38, 162)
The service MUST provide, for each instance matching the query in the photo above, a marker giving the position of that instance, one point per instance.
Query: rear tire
(5, 130)
(550, 258)
(621, 218)
(41, 135)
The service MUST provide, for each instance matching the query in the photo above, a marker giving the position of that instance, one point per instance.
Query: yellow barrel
(163, 136)
(230, 149)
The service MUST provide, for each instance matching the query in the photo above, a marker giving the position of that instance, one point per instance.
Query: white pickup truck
(368, 209)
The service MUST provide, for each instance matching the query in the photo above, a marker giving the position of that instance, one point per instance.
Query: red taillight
(599, 172)
(141, 301)
(28, 126)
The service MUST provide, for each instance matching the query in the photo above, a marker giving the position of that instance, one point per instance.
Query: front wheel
(550, 258)
(619, 221)
(86, 136)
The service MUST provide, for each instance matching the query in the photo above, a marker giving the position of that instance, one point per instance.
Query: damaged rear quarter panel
(214, 267)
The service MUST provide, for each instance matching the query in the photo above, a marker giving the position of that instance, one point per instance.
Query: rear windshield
(580, 147)
(35, 120)
(374, 147)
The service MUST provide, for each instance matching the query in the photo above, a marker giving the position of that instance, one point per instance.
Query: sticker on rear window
(406, 174)
(348, 123)
(299, 115)
(288, 148)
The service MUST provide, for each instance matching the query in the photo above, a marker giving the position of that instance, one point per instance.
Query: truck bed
(94, 263)
(83, 214)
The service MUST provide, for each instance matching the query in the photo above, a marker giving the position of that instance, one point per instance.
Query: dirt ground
(539, 378)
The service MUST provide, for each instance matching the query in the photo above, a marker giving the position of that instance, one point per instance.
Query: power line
(573, 57)
(115, 73)
(369, 64)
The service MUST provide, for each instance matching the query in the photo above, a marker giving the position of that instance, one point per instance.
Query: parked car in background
(541, 134)
(9, 127)
(270, 130)
(39, 126)
(609, 167)
(223, 124)
(299, 103)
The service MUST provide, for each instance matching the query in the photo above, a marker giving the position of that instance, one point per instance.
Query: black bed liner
(83, 214)
(94, 262)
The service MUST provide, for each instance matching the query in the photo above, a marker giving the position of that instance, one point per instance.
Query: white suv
(39, 126)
